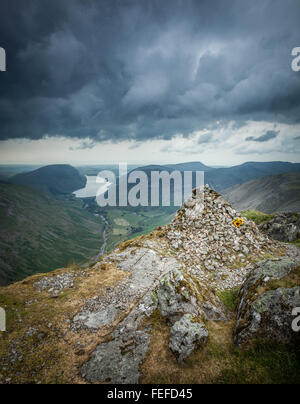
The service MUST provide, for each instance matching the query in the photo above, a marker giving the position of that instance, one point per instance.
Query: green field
(128, 222)
(140, 221)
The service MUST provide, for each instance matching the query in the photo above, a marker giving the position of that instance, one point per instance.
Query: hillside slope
(223, 178)
(270, 194)
(39, 234)
(60, 179)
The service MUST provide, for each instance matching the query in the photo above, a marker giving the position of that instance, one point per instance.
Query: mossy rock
(266, 301)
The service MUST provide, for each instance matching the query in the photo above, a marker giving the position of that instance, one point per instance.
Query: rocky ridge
(202, 247)
(175, 272)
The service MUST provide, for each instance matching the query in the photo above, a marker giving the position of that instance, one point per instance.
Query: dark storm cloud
(121, 69)
(270, 134)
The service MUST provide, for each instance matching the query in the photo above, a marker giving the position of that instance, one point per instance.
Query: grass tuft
(229, 297)
(256, 216)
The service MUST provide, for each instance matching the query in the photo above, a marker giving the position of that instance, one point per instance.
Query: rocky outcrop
(195, 253)
(282, 227)
(180, 293)
(187, 334)
(186, 303)
(144, 265)
(180, 299)
(266, 301)
(118, 360)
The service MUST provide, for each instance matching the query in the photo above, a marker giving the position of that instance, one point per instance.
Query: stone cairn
(204, 237)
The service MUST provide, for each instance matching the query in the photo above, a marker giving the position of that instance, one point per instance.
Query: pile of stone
(56, 284)
(204, 237)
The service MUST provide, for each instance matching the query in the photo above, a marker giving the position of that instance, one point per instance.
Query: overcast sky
(100, 81)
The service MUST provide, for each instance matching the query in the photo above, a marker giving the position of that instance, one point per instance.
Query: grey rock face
(174, 298)
(116, 362)
(180, 293)
(175, 294)
(97, 319)
(270, 316)
(265, 313)
(283, 227)
(145, 266)
(187, 334)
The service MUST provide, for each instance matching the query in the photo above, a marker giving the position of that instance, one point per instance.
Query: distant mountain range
(270, 194)
(223, 178)
(63, 179)
(55, 180)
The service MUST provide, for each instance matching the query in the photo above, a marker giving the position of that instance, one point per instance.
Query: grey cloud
(270, 134)
(85, 145)
(117, 70)
(207, 137)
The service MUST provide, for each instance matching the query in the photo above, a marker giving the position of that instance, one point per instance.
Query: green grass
(256, 216)
(296, 242)
(264, 363)
(293, 186)
(229, 297)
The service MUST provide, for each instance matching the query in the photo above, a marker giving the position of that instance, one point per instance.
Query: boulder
(283, 227)
(180, 293)
(265, 306)
(187, 334)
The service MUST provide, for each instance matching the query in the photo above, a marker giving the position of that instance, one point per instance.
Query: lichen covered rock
(265, 308)
(187, 334)
(116, 362)
(180, 293)
(283, 227)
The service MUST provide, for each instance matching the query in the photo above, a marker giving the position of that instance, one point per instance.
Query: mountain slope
(270, 194)
(60, 179)
(222, 178)
(39, 234)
